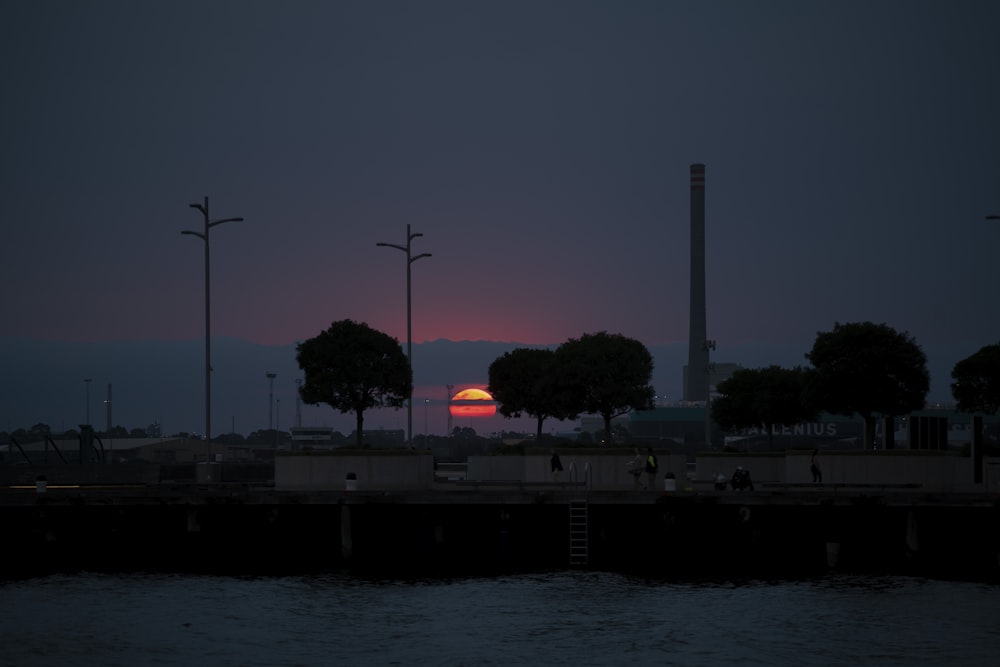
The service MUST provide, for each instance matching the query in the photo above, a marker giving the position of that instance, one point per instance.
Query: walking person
(814, 468)
(635, 468)
(652, 467)
(556, 465)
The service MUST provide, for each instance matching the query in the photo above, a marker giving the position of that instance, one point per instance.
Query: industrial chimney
(696, 380)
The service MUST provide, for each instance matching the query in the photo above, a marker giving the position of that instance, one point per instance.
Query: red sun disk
(467, 410)
(472, 403)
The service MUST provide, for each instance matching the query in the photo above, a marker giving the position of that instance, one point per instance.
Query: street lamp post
(203, 235)
(270, 399)
(298, 402)
(977, 431)
(86, 381)
(409, 337)
(111, 442)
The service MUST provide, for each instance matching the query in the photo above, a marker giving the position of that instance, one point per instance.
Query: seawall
(238, 528)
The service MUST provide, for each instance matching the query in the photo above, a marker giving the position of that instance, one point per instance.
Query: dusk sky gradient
(542, 149)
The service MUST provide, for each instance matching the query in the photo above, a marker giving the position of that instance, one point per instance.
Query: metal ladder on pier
(579, 533)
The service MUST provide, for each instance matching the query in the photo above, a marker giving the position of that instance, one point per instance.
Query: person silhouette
(652, 467)
(815, 469)
(556, 465)
(635, 468)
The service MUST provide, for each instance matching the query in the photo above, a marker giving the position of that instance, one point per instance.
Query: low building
(926, 429)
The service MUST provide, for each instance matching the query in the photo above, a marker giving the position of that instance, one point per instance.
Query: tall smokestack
(696, 388)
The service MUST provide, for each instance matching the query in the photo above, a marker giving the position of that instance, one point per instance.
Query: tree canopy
(765, 397)
(976, 385)
(867, 369)
(527, 380)
(608, 375)
(352, 368)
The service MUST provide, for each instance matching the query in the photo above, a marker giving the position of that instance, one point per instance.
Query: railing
(588, 474)
(882, 486)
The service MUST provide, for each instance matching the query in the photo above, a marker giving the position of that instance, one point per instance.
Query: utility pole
(447, 401)
(298, 402)
(111, 445)
(87, 383)
(709, 367)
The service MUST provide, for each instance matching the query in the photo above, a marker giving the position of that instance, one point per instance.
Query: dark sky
(542, 148)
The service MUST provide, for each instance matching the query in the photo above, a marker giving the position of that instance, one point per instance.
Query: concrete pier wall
(598, 470)
(372, 471)
(943, 472)
(385, 471)
(601, 470)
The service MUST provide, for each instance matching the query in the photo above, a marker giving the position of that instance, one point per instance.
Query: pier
(457, 528)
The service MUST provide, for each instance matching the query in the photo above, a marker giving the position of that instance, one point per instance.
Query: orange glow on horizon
(472, 403)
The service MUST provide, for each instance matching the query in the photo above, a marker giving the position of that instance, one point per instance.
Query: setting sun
(472, 403)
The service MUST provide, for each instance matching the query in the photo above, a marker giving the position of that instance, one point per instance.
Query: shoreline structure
(501, 514)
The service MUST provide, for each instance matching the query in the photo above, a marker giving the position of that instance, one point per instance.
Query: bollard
(832, 553)
(669, 482)
(352, 482)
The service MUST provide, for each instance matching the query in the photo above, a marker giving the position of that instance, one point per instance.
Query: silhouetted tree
(764, 397)
(464, 433)
(608, 375)
(352, 368)
(867, 369)
(230, 439)
(977, 381)
(621, 434)
(527, 380)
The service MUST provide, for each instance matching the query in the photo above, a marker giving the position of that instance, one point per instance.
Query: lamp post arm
(198, 234)
(424, 254)
(219, 222)
(393, 245)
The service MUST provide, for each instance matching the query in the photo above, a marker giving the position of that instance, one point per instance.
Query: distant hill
(163, 381)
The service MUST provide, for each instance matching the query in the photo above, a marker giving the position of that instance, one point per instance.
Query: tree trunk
(538, 433)
(889, 432)
(607, 429)
(869, 430)
(359, 429)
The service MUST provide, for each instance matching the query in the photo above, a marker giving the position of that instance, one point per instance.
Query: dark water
(561, 618)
